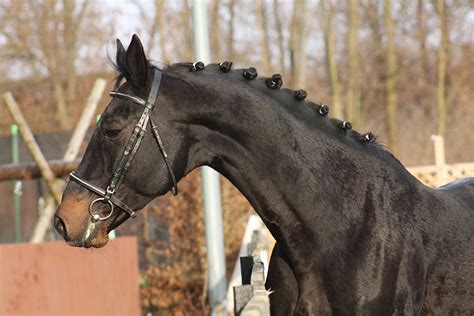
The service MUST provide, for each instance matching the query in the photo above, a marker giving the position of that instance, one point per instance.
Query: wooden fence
(56, 279)
(435, 176)
(441, 173)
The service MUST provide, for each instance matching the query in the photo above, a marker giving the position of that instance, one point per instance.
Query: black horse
(356, 232)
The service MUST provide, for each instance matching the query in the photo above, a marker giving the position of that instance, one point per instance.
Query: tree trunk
(374, 85)
(352, 106)
(48, 39)
(150, 26)
(161, 30)
(327, 13)
(260, 13)
(154, 26)
(390, 78)
(63, 114)
(442, 64)
(69, 56)
(230, 35)
(216, 31)
(187, 31)
(421, 35)
(278, 28)
(298, 45)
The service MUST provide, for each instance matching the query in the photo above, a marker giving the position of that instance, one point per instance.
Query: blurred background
(402, 69)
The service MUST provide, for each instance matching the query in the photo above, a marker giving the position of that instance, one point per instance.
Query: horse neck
(296, 175)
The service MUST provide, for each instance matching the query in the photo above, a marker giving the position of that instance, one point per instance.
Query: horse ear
(136, 62)
(120, 57)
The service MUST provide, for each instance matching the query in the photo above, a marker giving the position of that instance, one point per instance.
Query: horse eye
(111, 133)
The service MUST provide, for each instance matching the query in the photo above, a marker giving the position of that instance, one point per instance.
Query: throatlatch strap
(154, 128)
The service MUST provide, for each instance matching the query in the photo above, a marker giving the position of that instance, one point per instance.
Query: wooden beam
(31, 170)
(32, 146)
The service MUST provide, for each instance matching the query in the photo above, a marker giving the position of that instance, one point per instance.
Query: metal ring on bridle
(95, 217)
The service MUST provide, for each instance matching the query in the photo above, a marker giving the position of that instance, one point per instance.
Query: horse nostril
(60, 227)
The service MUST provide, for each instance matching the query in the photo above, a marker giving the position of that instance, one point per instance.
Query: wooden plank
(242, 295)
(56, 279)
(31, 170)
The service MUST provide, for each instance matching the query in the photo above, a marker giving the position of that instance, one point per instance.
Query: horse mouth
(95, 236)
(96, 243)
(76, 243)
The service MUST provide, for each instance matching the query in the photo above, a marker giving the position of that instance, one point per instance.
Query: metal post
(210, 186)
(16, 184)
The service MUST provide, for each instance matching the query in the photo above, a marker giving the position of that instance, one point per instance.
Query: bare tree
(279, 31)
(59, 47)
(390, 77)
(421, 36)
(263, 33)
(230, 34)
(298, 44)
(154, 25)
(327, 16)
(44, 39)
(216, 30)
(442, 65)
(352, 105)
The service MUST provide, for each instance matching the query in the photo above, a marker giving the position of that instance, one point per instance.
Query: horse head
(132, 157)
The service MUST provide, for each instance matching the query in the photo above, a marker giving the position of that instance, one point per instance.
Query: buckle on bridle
(110, 191)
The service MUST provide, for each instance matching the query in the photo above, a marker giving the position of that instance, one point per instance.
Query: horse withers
(356, 233)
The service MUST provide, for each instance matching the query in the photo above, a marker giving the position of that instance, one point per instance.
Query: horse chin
(99, 237)
(99, 242)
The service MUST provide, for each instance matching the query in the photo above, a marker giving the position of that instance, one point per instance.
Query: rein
(107, 196)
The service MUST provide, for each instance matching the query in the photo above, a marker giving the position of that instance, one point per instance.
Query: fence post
(16, 184)
(440, 159)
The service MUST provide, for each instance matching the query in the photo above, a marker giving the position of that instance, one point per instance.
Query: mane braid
(298, 100)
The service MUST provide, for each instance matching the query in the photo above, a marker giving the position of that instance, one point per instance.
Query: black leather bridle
(108, 195)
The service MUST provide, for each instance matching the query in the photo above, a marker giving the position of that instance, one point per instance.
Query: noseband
(107, 196)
